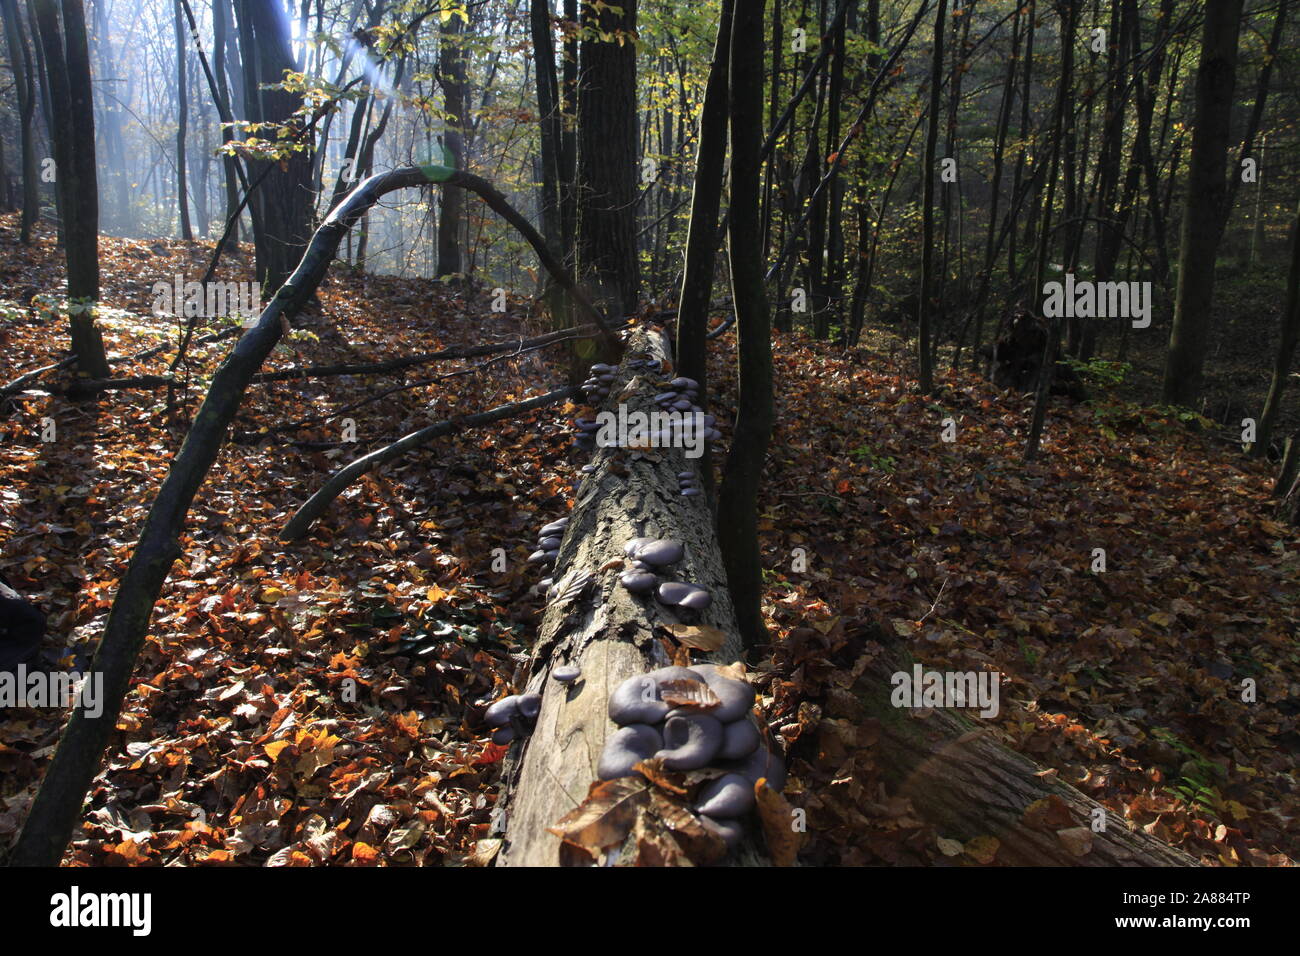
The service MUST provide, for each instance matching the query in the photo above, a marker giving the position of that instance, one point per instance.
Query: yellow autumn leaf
(274, 747)
(271, 595)
(1238, 811)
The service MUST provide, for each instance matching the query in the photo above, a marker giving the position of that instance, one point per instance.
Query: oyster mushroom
(727, 797)
(638, 582)
(739, 739)
(660, 552)
(690, 741)
(625, 748)
(736, 695)
(503, 711)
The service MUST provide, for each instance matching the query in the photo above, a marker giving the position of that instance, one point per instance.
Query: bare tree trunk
(20, 58)
(1216, 79)
(451, 71)
(738, 496)
(1069, 19)
(1290, 335)
(702, 233)
(928, 172)
(607, 158)
(67, 67)
(182, 122)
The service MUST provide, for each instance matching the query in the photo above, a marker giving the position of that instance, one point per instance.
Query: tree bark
(20, 58)
(1290, 335)
(67, 68)
(451, 74)
(738, 496)
(928, 172)
(702, 233)
(607, 157)
(283, 202)
(182, 123)
(1203, 214)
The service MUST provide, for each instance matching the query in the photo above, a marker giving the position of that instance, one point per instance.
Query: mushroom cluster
(692, 718)
(548, 544)
(513, 716)
(598, 382)
(649, 555)
(585, 439)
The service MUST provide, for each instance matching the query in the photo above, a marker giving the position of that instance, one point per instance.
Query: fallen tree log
(605, 630)
(967, 784)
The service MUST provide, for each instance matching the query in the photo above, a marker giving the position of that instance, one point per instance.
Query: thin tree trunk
(702, 233)
(738, 497)
(451, 72)
(1069, 19)
(20, 58)
(1290, 335)
(182, 123)
(68, 76)
(1207, 192)
(926, 307)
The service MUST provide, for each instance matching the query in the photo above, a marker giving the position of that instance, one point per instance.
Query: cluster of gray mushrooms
(649, 556)
(692, 718)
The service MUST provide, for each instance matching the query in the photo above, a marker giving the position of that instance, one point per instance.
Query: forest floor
(236, 746)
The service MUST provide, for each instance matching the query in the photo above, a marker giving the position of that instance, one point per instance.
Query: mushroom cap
(725, 798)
(684, 382)
(566, 673)
(555, 527)
(530, 705)
(690, 741)
(699, 598)
(740, 738)
(672, 592)
(664, 674)
(503, 735)
(541, 556)
(690, 492)
(638, 582)
(501, 713)
(625, 748)
(736, 695)
(762, 763)
(636, 701)
(685, 475)
(631, 545)
(549, 543)
(660, 552)
(664, 397)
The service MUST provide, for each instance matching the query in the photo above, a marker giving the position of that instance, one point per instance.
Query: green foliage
(885, 463)
(1100, 372)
